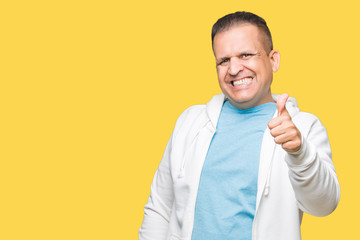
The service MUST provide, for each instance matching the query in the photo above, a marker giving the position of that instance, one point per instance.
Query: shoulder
(305, 117)
(197, 117)
(308, 122)
(201, 114)
(192, 112)
(190, 116)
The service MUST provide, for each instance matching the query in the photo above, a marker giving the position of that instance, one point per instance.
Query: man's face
(244, 69)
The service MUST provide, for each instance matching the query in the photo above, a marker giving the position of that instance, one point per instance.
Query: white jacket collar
(213, 108)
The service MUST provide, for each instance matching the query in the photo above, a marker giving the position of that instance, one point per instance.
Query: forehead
(241, 37)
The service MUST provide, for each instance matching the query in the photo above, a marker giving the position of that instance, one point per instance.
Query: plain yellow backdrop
(90, 92)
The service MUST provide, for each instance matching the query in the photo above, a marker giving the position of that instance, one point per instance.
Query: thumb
(280, 103)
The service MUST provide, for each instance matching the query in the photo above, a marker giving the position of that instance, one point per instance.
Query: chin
(242, 99)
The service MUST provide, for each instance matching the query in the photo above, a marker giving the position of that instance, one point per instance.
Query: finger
(291, 146)
(280, 103)
(282, 138)
(278, 121)
(291, 135)
(277, 131)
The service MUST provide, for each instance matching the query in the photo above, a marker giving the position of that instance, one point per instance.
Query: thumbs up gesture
(283, 129)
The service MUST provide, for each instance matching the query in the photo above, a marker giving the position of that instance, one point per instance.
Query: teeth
(242, 82)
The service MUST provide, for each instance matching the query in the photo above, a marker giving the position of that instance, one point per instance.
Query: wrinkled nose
(235, 66)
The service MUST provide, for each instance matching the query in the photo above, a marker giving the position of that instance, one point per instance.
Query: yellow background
(90, 92)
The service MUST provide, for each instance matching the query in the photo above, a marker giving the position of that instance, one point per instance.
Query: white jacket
(288, 185)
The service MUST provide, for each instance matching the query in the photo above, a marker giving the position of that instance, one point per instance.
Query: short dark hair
(232, 19)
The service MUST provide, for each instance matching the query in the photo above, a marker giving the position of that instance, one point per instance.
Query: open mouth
(241, 82)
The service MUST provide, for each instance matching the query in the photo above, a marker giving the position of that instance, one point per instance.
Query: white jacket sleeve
(312, 173)
(159, 205)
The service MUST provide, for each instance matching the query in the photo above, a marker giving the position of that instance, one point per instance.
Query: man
(248, 163)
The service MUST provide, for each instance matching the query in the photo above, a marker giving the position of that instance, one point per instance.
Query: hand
(283, 129)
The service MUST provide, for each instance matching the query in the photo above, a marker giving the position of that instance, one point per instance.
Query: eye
(223, 62)
(246, 55)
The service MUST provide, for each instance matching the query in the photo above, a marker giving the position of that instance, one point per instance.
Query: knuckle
(287, 117)
(272, 132)
(293, 133)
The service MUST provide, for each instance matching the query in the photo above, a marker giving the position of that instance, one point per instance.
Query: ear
(274, 56)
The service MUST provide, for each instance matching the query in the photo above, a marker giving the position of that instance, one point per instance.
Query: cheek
(260, 66)
(221, 72)
(253, 66)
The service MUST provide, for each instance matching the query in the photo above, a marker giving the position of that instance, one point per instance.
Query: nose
(235, 66)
